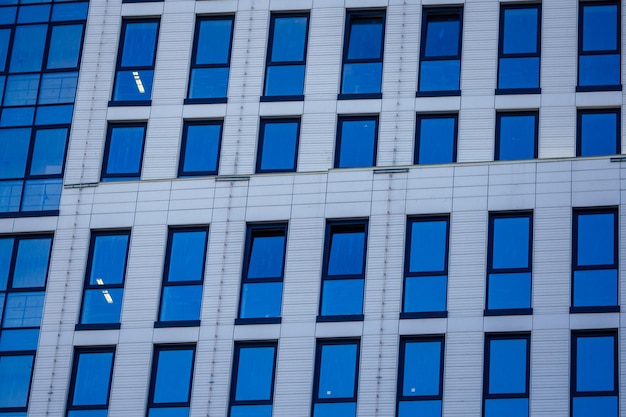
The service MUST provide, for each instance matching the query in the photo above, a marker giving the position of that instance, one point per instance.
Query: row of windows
(519, 51)
(509, 270)
(599, 133)
(420, 389)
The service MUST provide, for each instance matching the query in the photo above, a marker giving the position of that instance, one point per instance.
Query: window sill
(179, 323)
(97, 326)
(15, 214)
(332, 319)
(425, 315)
(365, 96)
(269, 99)
(136, 103)
(599, 309)
(259, 320)
(450, 93)
(216, 100)
(509, 312)
(512, 91)
(591, 88)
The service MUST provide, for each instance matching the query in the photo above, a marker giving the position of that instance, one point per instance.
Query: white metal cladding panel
(559, 46)
(389, 193)
(294, 376)
(551, 260)
(303, 269)
(187, 195)
(309, 196)
(239, 140)
(557, 132)
(219, 386)
(160, 158)
(470, 188)
(272, 193)
(152, 202)
(203, 368)
(480, 47)
(131, 379)
(467, 263)
(50, 380)
(463, 372)
(554, 184)
(377, 375)
(396, 138)
(401, 51)
(323, 71)
(549, 372)
(595, 182)
(512, 186)
(429, 190)
(317, 141)
(476, 135)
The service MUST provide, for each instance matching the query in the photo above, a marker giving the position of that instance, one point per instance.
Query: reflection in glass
(356, 145)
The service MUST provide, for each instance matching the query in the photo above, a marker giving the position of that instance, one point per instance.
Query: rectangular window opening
(598, 132)
(436, 138)
(278, 145)
(90, 384)
(123, 152)
(516, 135)
(357, 141)
(200, 148)
(171, 380)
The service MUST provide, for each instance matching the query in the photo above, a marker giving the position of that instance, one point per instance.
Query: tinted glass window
(278, 144)
(516, 136)
(170, 385)
(598, 133)
(201, 148)
(511, 240)
(356, 143)
(253, 380)
(31, 263)
(363, 53)
(337, 370)
(347, 252)
(91, 378)
(266, 256)
(520, 42)
(15, 376)
(124, 151)
(436, 139)
(421, 375)
(214, 37)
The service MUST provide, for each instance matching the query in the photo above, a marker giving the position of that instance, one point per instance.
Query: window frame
(503, 8)
(259, 155)
(439, 11)
(361, 14)
(579, 129)
(183, 147)
(498, 138)
(268, 57)
(418, 134)
(78, 350)
(127, 176)
(339, 138)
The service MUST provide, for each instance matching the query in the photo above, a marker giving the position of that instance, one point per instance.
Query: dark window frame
(24, 409)
(579, 128)
(440, 11)
(499, 115)
(270, 47)
(127, 176)
(338, 140)
(183, 148)
(491, 270)
(71, 391)
(158, 348)
(360, 14)
(418, 131)
(503, 8)
(194, 54)
(576, 212)
(259, 155)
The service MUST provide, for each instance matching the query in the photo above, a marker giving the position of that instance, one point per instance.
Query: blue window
(440, 52)
(210, 60)
(426, 267)
(40, 49)
(599, 45)
(420, 377)
(336, 378)
(135, 62)
(516, 136)
(343, 274)
(200, 149)
(286, 57)
(181, 296)
(170, 384)
(509, 263)
(262, 276)
(91, 382)
(599, 132)
(507, 375)
(594, 260)
(252, 386)
(278, 145)
(594, 377)
(123, 152)
(104, 280)
(436, 137)
(519, 48)
(363, 54)
(357, 139)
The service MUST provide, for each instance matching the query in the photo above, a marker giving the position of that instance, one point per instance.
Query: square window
(357, 139)
(171, 380)
(252, 386)
(509, 263)
(363, 54)
(426, 267)
(210, 60)
(516, 136)
(278, 145)
(440, 52)
(599, 45)
(90, 385)
(598, 132)
(519, 49)
(594, 260)
(123, 152)
(286, 57)
(200, 149)
(343, 274)
(263, 272)
(436, 138)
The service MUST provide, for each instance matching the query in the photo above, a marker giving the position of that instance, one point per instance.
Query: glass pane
(187, 256)
(599, 70)
(428, 246)
(598, 134)
(173, 376)
(214, 41)
(18, 339)
(139, 44)
(70, 11)
(169, 412)
(442, 36)
(102, 306)
(15, 373)
(22, 116)
(595, 363)
(284, 80)
(436, 140)
(289, 38)
(596, 239)
(208, 83)
(32, 14)
(342, 297)
(109, 259)
(517, 137)
(13, 152)
(347, 252)
(518, 73)
(509, 407)
(8, 13)
(422, 368)
(279, 146)
(6, 252)
(125, 150)
(202, 148)
(511, 239)
(181, 303)
(520, 31)
(334, 410)
(599, 27)
(58, 88)
(23, 309)
(92, 378)
(54, 114)
(419, 408)
(595, 288)
(251, 411)
(358, 142)
(595, 406)
(362, 78)
(508, 291)
(49, 152)
(261, 300)
(425, 294)
(10, 195)
(133, 85)
(507, 366)
(5, 35)
(254, 373)
(42, 195)
(366, 38)
(266, 256)
(21, 90)
(440, 75)
(28, 48)
(337, 371)
(65, 44)
(31, 265)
